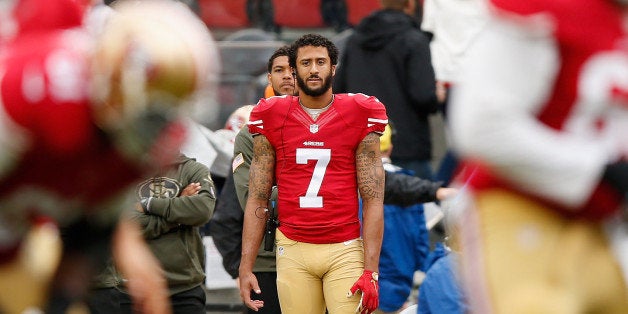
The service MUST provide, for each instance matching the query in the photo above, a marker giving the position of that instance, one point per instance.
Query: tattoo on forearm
(262, 171)
(369, 168)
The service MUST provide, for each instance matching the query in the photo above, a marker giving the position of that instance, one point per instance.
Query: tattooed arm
(370, 174)
(261, 178)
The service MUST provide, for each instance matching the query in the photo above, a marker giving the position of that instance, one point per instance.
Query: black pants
(113, 301)
(104, 301)
(268, 284)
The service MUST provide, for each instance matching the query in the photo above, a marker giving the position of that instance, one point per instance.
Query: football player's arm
(261, 179)
(405, 190)
(146, 284)
(560, 166)
(370, 176)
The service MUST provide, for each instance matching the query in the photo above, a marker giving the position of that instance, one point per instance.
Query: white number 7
(322, 157)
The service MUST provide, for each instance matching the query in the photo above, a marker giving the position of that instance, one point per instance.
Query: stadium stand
(224, 13)
(298, 13)
(358, 9)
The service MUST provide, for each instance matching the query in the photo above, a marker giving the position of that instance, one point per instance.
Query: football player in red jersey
(81, 119)
(321, 149)
(541, 119)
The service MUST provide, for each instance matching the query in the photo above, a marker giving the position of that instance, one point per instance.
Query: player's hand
(192, 189)
(248, 282)
(146, 284)
(446, 193)
(367, 283)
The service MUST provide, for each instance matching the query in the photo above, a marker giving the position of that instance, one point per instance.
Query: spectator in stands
(261, 14)
(440, 291)
(388, 57)
(334, 13)
(171, 207)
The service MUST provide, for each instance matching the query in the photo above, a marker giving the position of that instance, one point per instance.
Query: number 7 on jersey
(322, 157)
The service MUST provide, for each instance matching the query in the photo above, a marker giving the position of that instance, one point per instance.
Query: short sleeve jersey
(315, 165)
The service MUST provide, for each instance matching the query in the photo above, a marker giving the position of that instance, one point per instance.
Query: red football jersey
(579, 106)
(315, 162)
(54, 160)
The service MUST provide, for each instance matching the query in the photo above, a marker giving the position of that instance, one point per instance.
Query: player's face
(280, 77)
(314, 70)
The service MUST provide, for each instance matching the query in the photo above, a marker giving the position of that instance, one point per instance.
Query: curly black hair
(314, 40)
(281, 51)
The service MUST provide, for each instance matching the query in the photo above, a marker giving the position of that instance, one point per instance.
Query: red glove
(367, 283)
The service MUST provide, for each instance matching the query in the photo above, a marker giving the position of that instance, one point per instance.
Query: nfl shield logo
(313, 128)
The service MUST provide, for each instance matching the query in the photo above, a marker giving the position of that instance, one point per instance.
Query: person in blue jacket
(406, 243)
(440, 291)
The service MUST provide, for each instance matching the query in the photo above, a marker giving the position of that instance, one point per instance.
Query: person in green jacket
(171, 207)
(282, 82)
(226, 225)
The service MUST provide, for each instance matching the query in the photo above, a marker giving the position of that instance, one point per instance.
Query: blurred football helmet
(148, 51)
(151, 57)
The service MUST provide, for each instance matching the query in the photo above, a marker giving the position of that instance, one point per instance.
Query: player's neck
(316, 102)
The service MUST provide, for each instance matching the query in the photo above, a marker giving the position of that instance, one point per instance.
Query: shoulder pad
(372, 113)
(268, 113)
(362, 100)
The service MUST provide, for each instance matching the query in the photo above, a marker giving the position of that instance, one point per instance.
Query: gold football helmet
(150, 50)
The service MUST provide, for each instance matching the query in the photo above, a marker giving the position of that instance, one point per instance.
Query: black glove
(616, 175)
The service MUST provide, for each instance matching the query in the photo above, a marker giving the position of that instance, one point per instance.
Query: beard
(314, 92)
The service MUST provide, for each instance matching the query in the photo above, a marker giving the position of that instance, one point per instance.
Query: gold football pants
(520, 256)
(311, 277)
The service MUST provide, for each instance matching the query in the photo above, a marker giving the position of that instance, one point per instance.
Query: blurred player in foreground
(540, 119)
(80, 120)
